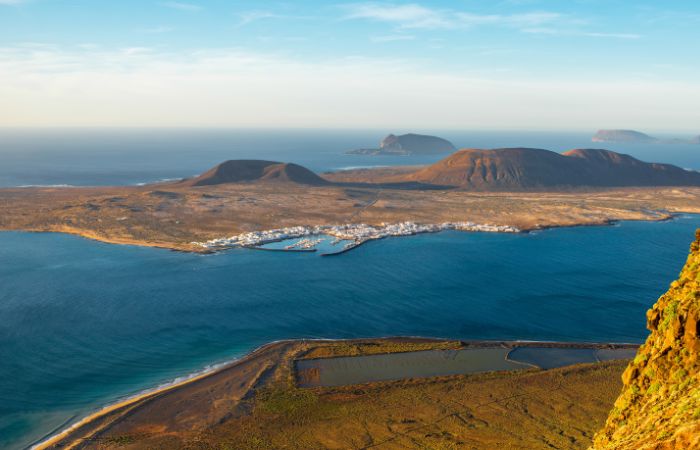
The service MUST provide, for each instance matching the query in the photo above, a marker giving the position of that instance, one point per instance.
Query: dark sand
(215, 398)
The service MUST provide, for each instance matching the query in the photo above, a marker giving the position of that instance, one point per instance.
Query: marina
(357, 234)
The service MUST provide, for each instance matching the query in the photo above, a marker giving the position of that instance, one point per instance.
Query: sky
(460, 64)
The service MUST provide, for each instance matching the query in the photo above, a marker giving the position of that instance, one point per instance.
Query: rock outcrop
(408, 144)
(659, 407)
(242, 171)
(636, 137)
(622, 136)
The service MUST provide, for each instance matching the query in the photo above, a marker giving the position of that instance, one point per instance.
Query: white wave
(340, 169)
(162, 180)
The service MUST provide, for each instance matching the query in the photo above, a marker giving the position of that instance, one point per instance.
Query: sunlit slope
(659, 406)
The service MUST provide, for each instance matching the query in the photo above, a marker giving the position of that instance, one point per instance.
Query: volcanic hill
(531, 169)
(242, 171)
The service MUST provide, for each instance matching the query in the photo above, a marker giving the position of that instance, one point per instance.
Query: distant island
(408, 144)
(249, 201)
(632, 136)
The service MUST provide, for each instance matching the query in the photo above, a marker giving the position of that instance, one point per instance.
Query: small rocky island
(408, 144)
(622, 136)
(637, 137)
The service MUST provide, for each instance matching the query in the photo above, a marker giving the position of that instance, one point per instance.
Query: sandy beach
(219, 394)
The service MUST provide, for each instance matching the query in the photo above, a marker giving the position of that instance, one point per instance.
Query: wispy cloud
(593, 34)
(157, 30)
(406, 16)
(418, 16)
(252, 16)
(612, 35)
(392, 38)
(181, 6)
(132, 51)
(232, 87)
(255, 15)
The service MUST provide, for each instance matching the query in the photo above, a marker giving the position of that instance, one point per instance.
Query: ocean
(84, 324)
(83, 157)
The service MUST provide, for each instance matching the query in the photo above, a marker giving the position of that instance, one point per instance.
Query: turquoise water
(83, 323)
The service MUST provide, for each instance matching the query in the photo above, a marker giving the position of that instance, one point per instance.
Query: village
(355, 233)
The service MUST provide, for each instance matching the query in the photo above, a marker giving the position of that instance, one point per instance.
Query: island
(248, 203)
(637, 137)
(408, 144)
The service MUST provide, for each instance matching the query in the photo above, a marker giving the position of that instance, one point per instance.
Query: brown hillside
(239, 171)
(659, 407)
(530, 168)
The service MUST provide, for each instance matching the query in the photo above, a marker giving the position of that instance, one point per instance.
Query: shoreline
(200, 250)
(53, 438)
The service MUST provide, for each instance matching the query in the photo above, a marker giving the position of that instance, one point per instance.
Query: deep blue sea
(84, 324)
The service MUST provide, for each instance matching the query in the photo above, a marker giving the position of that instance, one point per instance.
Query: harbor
(310, 237)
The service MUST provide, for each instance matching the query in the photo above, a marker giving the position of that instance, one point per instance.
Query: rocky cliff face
(659, 407)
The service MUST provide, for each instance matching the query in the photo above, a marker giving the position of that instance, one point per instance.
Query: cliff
(659, 407)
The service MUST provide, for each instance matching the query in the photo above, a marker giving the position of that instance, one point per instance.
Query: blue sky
(451, 64)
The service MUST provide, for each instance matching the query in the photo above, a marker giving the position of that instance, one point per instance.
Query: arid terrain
(255, 404)
(173, 216)
(250, 195)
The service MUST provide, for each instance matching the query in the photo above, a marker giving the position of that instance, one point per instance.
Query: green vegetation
(285, 400)
(528, 409)
(349, 348)
(120, 441)
(659, 406)
(670, 312)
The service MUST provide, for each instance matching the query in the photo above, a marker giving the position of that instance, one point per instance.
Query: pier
(344, 249)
